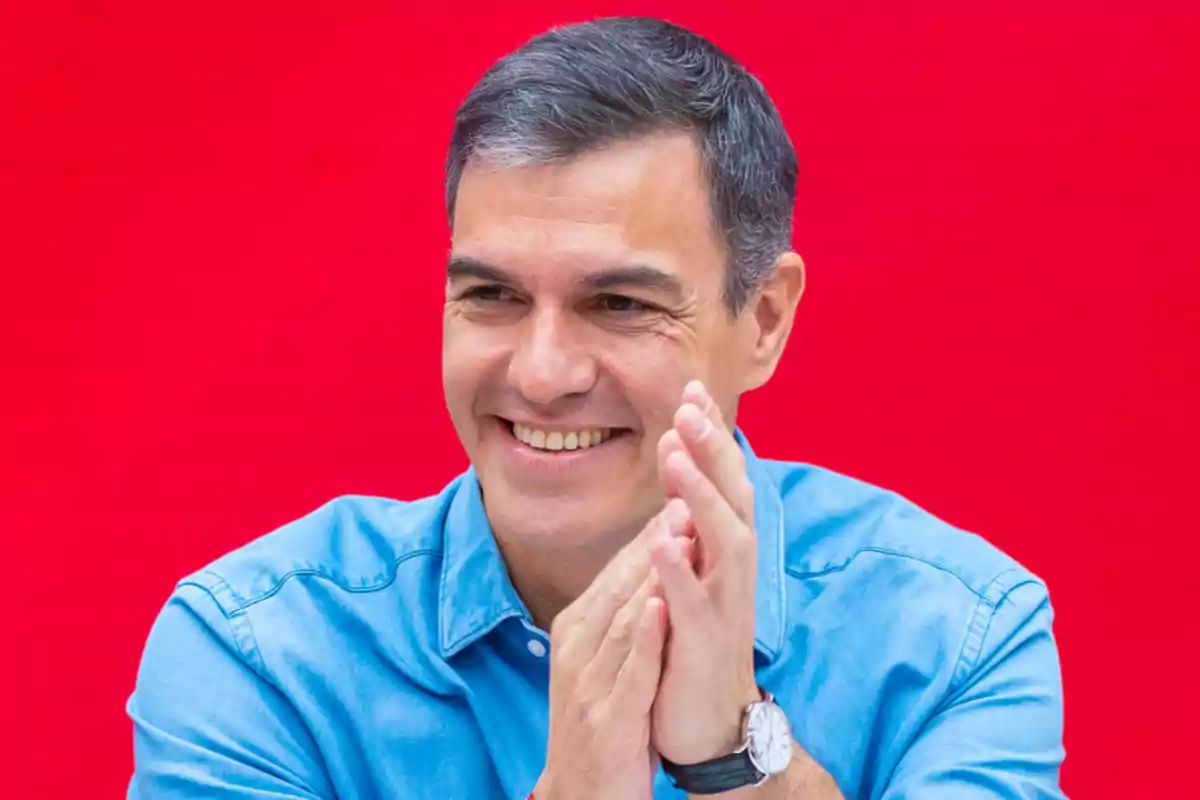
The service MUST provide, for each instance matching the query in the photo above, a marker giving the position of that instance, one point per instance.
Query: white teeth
(555, 440)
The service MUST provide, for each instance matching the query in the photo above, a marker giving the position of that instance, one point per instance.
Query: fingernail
(675, 515)
(671, 551)
(697, 393)
(652, 620)
(694, 422)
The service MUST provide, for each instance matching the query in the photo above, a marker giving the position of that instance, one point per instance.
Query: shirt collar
(476, 594)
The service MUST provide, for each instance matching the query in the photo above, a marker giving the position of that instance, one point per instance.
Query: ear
(771, 311)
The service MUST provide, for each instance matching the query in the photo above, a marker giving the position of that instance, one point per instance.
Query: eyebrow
(463, 268)
(640, 276)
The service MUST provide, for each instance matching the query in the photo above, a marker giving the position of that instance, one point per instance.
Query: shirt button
(536, 648)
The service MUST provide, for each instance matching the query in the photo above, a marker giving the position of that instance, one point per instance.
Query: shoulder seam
(887, 552)
(240, 630)
(240, 603)
(981, 622)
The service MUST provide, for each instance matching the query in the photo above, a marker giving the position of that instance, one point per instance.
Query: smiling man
(618, 599)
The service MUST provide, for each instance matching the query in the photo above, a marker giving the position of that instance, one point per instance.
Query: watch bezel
(759, 717)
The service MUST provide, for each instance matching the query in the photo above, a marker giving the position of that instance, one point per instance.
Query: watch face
(770, 738)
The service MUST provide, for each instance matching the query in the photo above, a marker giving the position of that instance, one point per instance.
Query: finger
(613, 649)
(619, 579)
(687, 600)
(636, 684)
(687, 546)
(679, 525)
(722, 533)
(718, 456)
(671, 442)
(676, 520)
(696, 393)
(591, 615)
(668, 443)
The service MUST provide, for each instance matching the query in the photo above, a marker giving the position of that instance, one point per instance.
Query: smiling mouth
(563, 441)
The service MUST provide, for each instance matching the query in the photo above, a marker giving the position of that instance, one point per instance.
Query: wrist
(721, 738)
(766, 750)
(735, 727)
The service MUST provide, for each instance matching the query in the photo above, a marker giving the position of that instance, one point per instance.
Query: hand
(606, 659)
(708, 677)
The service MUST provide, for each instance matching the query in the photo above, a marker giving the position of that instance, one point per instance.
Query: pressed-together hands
(606, 663)
(708, 674)
(657, 656)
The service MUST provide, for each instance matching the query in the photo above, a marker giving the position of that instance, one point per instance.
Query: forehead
(642, 200)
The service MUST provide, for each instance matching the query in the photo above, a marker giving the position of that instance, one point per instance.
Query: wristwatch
(766, 750)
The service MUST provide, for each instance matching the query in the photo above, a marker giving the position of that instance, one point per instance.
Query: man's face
(580, 299)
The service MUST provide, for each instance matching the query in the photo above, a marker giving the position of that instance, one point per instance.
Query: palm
(679, 702)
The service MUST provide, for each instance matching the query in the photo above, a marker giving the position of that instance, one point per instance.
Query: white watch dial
(770, 738)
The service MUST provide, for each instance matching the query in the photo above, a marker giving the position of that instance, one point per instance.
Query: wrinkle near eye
(677, 328)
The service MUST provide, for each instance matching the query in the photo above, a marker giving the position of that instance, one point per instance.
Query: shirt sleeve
(206, 722)
(999, 735)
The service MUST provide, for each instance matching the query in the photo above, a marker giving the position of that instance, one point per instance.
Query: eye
(620, 304)
(487, 293)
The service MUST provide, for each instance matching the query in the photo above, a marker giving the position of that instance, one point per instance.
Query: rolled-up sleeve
(998, 736)
(207, 722)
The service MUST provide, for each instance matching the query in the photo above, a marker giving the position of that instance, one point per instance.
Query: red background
(222, 253)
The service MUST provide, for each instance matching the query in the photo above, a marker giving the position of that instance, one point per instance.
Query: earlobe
(774, 309)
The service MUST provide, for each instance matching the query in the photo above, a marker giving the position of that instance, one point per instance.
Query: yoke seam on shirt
(888, 552)
(295, 573)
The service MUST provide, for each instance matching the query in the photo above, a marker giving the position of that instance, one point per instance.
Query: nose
(550, 360)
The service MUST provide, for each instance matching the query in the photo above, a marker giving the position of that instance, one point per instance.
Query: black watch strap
(722, 774)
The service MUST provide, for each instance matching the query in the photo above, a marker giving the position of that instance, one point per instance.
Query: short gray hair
(580, 87)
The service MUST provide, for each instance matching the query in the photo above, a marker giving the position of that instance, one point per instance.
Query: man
(620, 196)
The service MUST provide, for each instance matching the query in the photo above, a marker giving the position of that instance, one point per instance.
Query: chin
(586, 497)
(565, 520)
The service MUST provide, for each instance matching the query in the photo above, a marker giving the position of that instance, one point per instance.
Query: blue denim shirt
(377, 649)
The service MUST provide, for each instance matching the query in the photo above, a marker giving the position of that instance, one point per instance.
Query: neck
(548, 579)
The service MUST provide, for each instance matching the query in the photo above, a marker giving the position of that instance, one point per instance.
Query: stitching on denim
(888, 552)
(296, 573)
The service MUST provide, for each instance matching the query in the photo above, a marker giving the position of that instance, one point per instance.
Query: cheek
(470, 358)
(652, 373)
